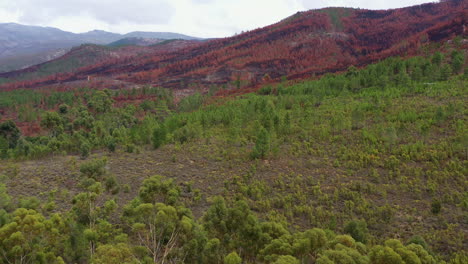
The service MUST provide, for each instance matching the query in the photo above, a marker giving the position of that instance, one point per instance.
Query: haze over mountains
(22, 46)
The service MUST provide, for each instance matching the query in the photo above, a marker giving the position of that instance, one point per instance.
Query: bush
(85, 149)
(436, 206)
(94, 168)
(111, 184)
(358, 230)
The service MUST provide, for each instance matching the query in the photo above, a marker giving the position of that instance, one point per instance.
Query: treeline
(157, 227)
(86, 119)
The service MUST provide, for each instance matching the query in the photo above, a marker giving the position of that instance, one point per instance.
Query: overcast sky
(201, 18)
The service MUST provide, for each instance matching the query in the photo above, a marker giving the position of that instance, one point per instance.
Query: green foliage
(384, 255)
(101, 101)
(94, 168)
(436, 206)
(437, 58)
(287, 260)
(159, 136)
(191, 103)
(110, 254)
(358, 230)
(158, 189)
(28, 237)
(458, 60)
(232, 258)
(5, 198)
(53, 122)
(10, 132)
(262, 144)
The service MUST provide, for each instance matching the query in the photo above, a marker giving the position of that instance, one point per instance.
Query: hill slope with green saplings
(369, 166)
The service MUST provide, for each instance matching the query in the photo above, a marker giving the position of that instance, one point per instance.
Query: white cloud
(204, 18)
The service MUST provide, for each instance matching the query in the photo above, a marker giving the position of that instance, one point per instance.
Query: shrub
(436, 206)
(94, 168)
(111, 184)
(85, 149)
(358, 230)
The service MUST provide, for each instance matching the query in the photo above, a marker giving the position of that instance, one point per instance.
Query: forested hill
(367, 167)
(306, 44)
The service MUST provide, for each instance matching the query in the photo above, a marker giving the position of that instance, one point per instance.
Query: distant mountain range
(22, 46)
(135, 42)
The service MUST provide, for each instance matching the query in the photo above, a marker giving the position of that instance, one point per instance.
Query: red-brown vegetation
(303, 45)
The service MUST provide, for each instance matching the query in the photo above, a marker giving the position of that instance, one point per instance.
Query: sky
(200, 18)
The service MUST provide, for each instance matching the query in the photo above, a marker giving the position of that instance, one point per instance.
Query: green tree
(158, 189)
(53, 122)
(94, 168)
(232, 258)
(262, 144)
(358, 230)
(29, 238)
(287, 260)
(4, 146)
(437, 58)
(212, 251)
(63, 109)
(384, 255)
(101, 102)
(88, 212)
(445, 72)
(310, 242)
(10, 132)
(112, 254)
(160, 229)
(159, 136)
(5, 198)
(458, 60)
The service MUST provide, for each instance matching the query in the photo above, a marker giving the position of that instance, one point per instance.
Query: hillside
(22, 46)
(303, 45)
(132, 41)
(367, 166)
(335, 136)
(87, 55)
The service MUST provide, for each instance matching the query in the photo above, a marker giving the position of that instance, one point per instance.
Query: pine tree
(159, 136)
(262, 145)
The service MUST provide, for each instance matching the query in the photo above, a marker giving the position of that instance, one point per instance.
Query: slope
(378, 153)
(88, 54)
(303, 45)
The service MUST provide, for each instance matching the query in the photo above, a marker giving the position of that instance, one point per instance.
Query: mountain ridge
(305, 44)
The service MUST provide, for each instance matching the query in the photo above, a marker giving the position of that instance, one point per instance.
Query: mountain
(303, 45)
(158, 35)
(22, 46)
(135, 41)
(87, 55)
